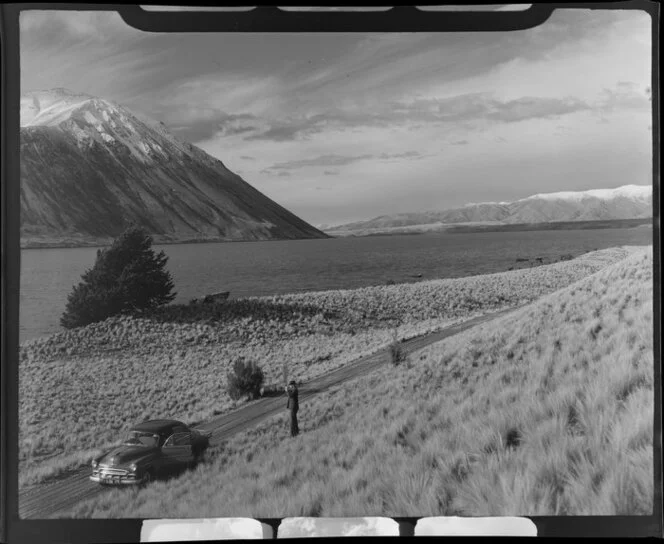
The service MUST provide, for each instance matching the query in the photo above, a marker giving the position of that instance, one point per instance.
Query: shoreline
(407, 230)
(520, 263)
(489, 226)
(106, 242)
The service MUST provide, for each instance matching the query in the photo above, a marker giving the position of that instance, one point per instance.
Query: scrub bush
(246, 378)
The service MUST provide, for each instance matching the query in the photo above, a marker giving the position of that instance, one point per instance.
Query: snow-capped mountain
(634, 192)
(90, 167)
(626, 202)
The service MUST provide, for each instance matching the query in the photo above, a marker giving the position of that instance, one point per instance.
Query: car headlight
(94, 463)
(133, 467)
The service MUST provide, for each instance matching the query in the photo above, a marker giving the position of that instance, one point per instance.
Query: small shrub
(246, 378)
(397, 352)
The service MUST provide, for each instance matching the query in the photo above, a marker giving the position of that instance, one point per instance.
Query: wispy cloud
(196, 124)
(412, 155)
(471, 107)
(339, 160)
(287, 130)
(466, 108)
(626, 96)
(323, 160)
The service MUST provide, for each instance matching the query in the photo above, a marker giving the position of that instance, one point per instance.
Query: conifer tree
(126, 276)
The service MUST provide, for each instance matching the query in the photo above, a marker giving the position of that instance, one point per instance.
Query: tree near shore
(126, 276)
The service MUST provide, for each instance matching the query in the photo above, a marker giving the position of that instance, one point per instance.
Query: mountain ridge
(90, 167)
(625, 202)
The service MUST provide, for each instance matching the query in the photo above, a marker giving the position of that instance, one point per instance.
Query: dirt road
(41, 501)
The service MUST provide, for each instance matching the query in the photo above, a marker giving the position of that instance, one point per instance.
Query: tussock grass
(546, 411)
(105, 377)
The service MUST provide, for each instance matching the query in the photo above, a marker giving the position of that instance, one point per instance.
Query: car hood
(122, 455)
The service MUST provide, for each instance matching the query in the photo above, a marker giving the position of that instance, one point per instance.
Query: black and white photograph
(336, 274)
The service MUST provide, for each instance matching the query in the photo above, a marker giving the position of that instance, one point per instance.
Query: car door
(177, 450)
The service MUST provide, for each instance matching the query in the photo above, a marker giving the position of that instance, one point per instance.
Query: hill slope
(90, 167)
(627, 202)
(547, 411)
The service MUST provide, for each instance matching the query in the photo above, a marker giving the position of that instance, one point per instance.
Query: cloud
(197, 124)
(338, 160)
(625, 96)
(533, 108)
(460, 142)
(55, 27)
(322, 160)
(331, 173)
(463, 108)
(286, 131)
(413, 155)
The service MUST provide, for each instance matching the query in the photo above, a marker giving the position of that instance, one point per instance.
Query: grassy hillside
(547, 411)
(103, 378)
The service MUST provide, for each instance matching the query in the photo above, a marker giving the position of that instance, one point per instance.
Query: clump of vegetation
(246, 379)
(127, 276)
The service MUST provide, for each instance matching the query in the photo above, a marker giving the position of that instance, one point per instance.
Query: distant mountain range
(627, 202)
(90, 167)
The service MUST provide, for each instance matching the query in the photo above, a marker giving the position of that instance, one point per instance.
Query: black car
(150, 450)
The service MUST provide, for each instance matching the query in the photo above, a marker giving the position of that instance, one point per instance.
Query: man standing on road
(292, 406)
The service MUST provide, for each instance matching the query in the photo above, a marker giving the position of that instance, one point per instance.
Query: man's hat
(292, 382)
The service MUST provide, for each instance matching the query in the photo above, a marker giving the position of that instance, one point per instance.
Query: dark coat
(293, 403)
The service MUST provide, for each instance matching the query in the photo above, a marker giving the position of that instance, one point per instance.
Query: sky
(345, 127)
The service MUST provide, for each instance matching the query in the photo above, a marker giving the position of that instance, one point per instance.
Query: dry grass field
(546, 411)
(80, 390)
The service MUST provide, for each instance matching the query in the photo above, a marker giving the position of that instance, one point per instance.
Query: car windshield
(137, 438)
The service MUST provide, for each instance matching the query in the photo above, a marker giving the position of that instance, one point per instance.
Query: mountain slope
(90, 167)
(627, 202)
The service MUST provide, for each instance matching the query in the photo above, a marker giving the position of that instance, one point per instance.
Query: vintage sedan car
(151, 449)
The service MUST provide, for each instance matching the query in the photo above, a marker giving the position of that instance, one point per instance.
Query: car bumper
(116, 480)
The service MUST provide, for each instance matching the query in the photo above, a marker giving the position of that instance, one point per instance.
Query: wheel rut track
(44, 500)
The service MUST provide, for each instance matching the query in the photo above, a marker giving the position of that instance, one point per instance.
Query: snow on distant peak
(638, 192)
(47, 108)
(52, 107)
(470, 204)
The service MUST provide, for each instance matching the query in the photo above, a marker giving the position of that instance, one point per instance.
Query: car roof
(157, 425)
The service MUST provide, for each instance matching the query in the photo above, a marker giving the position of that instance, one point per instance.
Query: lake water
(264, 268)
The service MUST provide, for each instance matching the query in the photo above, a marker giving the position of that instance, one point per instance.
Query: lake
(265, 268)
